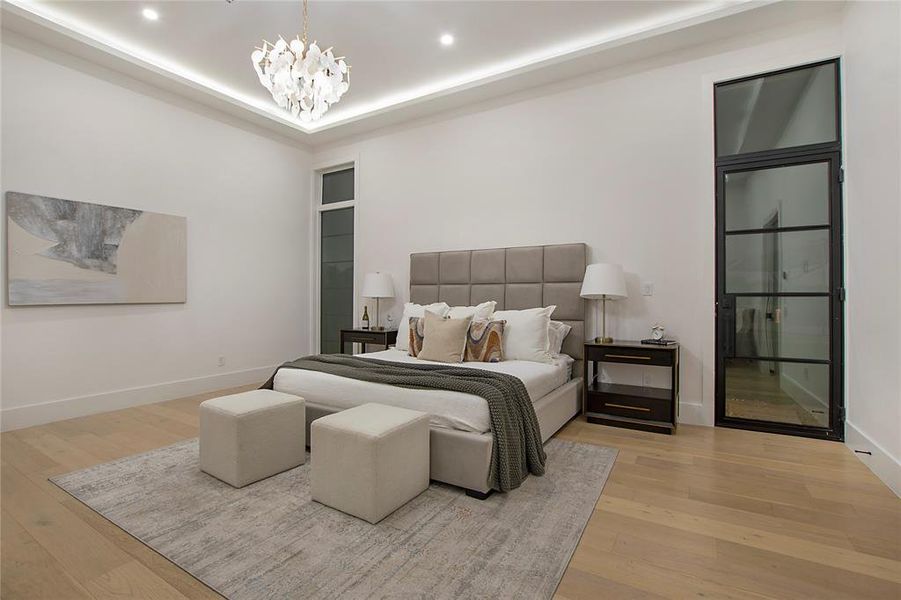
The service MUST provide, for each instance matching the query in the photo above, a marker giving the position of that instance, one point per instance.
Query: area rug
(270, 540)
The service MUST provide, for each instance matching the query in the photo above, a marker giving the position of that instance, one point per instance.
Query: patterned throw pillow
(485, 341)
(417, 325)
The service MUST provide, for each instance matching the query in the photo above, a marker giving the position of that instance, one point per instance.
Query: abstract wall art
(68, 252)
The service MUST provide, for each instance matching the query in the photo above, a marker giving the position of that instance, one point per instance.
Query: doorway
(779, 255)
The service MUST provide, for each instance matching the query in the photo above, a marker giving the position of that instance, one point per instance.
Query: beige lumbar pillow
(444, 340)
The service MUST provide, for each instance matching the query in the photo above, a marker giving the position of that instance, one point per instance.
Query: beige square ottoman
(250, 436)
(370, 460)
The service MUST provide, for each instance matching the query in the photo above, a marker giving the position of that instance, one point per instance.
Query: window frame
(330, 166)
(792, 151)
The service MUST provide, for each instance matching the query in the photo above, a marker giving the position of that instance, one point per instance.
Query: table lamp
(377, 285)
(604, 282)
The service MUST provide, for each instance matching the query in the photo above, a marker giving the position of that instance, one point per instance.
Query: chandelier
(301, 78)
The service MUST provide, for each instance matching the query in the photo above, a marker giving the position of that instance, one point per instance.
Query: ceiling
(393, 46)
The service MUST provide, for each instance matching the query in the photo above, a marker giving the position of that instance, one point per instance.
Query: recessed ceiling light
(150, 14)
(447, 40)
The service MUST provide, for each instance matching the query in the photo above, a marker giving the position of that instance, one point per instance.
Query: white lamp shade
(604, 280)
(378, 285)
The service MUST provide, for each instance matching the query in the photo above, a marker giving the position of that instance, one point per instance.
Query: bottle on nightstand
(365, 317)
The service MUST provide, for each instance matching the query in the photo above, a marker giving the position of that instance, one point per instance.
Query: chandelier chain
(306, 21)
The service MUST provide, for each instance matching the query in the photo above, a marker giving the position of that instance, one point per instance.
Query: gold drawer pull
(635, 356)
(641, 408)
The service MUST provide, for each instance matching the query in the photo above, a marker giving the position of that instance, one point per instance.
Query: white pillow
(526, 333)
(482, 312)
(557, 332)
(415, 310)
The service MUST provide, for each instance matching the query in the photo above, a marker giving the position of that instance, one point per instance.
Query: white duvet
(453, 410)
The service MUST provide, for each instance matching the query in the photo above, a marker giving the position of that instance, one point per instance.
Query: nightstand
(384, 337)
(631, 406)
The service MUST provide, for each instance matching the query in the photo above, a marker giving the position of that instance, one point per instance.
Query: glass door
(779, 267)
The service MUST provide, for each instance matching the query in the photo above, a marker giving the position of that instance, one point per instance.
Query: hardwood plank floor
(708, 512)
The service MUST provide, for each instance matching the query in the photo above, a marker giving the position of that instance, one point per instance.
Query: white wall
(624, 163)
(873, 227)
(77, 132)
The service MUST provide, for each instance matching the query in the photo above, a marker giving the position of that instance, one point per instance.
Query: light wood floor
(708, 512)
(753, 394)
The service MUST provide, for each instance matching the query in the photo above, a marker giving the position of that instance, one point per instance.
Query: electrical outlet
(646, 379)
(647, 288)
(221, 361)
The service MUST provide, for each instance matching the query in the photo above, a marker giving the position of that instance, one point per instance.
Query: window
(336, 257)
(792, 108)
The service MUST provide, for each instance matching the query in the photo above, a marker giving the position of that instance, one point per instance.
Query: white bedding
(453, 410)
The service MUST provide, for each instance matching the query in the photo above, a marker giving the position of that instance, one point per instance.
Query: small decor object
(604, 282)
(657, 338)
(68, 252)
(377, 285)
(660, 342)
(365, 317)
(301, 78)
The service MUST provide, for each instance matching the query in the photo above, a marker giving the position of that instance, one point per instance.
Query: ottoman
(370, 460)
(250, 436)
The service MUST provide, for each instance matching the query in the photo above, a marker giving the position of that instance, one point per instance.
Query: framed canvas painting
(68, 252)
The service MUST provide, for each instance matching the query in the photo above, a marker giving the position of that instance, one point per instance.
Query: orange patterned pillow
(416, 335)
(485, 341)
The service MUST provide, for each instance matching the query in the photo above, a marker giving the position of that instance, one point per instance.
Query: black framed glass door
(779, 260)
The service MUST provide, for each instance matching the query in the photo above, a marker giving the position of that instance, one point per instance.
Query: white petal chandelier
(302, 79)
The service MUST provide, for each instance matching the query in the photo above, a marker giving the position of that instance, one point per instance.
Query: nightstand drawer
(363, 337)
(650, 409)
(632, 356)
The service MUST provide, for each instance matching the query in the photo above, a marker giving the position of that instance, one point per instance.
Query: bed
(515, 278)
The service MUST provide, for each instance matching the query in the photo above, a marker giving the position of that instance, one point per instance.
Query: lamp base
(603, 340)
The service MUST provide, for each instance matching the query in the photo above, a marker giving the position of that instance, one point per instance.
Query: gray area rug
(269, 540)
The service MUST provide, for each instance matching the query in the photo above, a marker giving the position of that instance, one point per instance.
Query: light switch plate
(647, 288)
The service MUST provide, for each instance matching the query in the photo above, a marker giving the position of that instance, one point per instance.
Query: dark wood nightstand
(631, 406)
(384, 337)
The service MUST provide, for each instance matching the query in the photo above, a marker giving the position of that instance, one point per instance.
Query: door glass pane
(336, 277)
(793, 261)
(792, 196)
(338, 186)
(781, 392)
(795, 108)
(782, 327)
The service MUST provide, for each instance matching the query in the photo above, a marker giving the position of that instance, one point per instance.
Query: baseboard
(807, 398)
(885, 466)
(692, 413)
(69, 408)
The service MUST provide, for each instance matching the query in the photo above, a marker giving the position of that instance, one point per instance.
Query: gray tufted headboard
(515, 278)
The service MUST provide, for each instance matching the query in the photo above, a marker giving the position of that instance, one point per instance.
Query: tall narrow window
(336, 255)
(779, 267)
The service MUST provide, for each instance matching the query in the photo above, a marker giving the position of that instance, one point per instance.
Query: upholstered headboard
(515, 278)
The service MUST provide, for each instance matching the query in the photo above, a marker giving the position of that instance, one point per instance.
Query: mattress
(453, 410)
